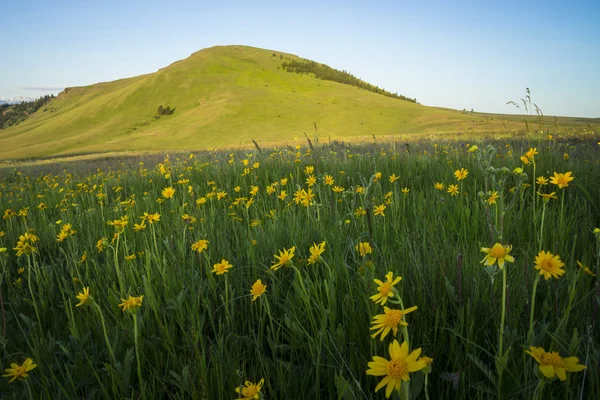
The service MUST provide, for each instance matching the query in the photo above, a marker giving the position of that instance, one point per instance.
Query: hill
(225, 96)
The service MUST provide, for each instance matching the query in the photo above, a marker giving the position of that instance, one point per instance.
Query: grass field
(226, 96)
(195, 329)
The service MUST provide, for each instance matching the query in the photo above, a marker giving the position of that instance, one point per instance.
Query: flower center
(498, 251)
(20, 370)
(552, 359)
(397, 369)
(547, 265)
(393, 317)
(385, 289)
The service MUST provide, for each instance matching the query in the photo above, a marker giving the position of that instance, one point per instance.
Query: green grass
(226, 96)
(200, 335)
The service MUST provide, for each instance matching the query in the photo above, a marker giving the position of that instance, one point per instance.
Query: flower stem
(137, 356)
(538, 390)
(501, 338)
(530, 331)
(110, 350)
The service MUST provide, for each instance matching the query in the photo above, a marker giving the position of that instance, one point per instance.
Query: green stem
(537, 395)
(137, 356)
(541, 238)
(530, 331)
(30, 286)
(562, 204)
(110, 350)
(501, 338)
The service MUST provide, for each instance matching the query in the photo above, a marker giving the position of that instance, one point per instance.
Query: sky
(457, 54)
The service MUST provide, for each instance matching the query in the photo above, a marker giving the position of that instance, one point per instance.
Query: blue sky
(458, 54)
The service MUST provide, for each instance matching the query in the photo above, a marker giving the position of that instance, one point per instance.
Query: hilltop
(226, 96)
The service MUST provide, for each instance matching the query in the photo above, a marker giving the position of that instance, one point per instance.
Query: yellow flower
(473, 148)
(549, 265)
(83, 257)
(130, 257)
(548, 196)
(132, 303)
(566, 156)
(258, 289)
(328, 179)
(311, 180)
(364, 248)
(453, 190)
(284, 259)
(359, 189)
(315, 252)
(378, 210)
(553, 365)
(461, 174)
(222, 267)
(19, 371)
(282, 195)
(83, 296)
(439, 186)
(200, 246)
(405, 190)
(541, 180)
(168, 192)
(309, 169)
(389, 321)
(585, 269)
(562, 180)
(250, 391)
(525, 160)
(531, 152)
(385, 289)
(338, 189)
(393, 178)
(360, 212)
(151, 218)
(200, 201)
(397, 368)
(518, 171)
(253, 190)
(139, 227)
(493, 197)
(497, 253)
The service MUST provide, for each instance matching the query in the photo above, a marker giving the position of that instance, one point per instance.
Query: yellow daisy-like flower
(315, 252)
(397, 368)
(393, 178)
(200, 245)
(553, 365)
(132, 303)
(562, 180)
(385, 289)
(497, 253)
(151, 218)
(250, 391)
(541, 180)
(337, 189)
(473, 149)
(139, 227)
(378, 210)
(549, 265)
(389, 321)
(284, 259)
(548, 196)
(439, 186)
(168, 192)
(258, 289)
(83, 297)
(493, 197)
(461, 174)
(19, 371)
(453, 190)
(585, 269)
(531, 152)
(405, 190)
(364, 248)
(222, 267)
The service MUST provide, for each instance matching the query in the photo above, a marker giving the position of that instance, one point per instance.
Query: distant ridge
(226, 96)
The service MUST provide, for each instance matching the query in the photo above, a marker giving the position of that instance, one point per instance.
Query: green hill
(224, 97)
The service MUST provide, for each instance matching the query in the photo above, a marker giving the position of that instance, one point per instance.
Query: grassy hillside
(226, 96)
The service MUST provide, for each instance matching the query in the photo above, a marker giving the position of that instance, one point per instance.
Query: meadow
(276, 272)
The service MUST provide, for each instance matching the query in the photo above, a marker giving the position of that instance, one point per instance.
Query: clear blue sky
(457, 54)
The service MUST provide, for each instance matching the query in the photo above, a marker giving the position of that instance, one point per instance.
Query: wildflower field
(430, 270)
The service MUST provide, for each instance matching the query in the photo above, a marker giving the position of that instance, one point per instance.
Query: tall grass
(199, 335)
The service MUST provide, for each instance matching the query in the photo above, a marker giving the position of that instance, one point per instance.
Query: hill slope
(223, 96)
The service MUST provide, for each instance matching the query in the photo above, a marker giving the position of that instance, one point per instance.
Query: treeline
(13, 114)
(327, 73)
